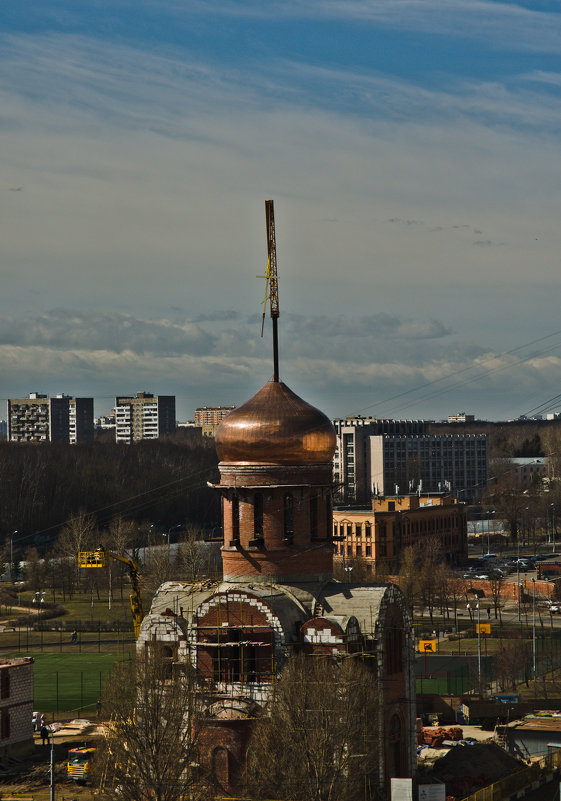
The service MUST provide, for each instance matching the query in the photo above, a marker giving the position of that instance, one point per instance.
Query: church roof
(276, 426)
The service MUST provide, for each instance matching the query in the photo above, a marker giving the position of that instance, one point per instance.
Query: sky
(413, 152)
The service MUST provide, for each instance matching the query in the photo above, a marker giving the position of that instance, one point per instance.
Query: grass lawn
(70, 683)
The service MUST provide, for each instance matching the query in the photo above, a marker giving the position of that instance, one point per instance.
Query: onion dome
(275, 426)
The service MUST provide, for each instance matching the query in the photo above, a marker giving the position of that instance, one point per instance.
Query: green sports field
(70, 683)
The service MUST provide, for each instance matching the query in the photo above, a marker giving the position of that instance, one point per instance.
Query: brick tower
(276, 476)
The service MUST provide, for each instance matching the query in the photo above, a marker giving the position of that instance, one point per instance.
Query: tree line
(161, 481)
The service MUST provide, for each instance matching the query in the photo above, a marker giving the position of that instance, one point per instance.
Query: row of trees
(42, 486)
(315, 740)
(57, 570)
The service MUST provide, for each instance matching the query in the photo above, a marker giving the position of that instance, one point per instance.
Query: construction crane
(271, 285)
(89, 559)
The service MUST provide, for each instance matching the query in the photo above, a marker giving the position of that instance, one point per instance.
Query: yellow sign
(427, 646)
(91, 559)
(483, 628)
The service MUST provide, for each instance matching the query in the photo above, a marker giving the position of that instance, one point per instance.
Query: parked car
(555, 609)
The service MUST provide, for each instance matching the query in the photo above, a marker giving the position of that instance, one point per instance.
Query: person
(44, 735)
(489, 613)
(74, 637)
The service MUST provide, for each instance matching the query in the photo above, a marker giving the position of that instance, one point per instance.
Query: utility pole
(52, 776)
(479, 645)
(534, 630)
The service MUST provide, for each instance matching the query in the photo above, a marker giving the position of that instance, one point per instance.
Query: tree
(408, 579)
(317, 740)
(156, 718)
(79, 534)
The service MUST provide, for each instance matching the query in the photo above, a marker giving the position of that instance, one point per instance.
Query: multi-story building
(458, 464)
(144, 417)
(16, 707)
(208, 418)
(392, 457)
(351, 463)
(379, 534)
(39, 418)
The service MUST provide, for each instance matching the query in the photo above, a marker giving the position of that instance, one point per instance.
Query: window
(391, 506)
(5, 724)
(4, 684)
(235, 518)
(368, 529)
(258, 515)
(288, 516)
(358, 529)
(368, 550)
(359, 550)
(313, 516)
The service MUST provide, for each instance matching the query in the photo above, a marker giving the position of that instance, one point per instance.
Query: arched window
(313, 516)
(395, 749)
(220, 765)
(258, 515)
(235, 518)
(288, 516)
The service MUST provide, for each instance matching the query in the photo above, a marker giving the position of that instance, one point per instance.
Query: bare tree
(408, 578)
(152, 741)
(192, 562)
(79, 534)
(318, 738)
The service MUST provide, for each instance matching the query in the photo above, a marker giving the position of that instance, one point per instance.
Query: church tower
(275, 467)
(277, 596)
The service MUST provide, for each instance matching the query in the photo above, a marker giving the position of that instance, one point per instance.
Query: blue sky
(412, 148)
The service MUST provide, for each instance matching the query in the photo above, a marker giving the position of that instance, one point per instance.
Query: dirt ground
(30, 778)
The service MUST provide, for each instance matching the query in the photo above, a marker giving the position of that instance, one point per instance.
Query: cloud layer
(412, 149)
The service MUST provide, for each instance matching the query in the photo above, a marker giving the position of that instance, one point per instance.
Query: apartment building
(144, 417)
(379, 534)
(208, 418)
(39, 418)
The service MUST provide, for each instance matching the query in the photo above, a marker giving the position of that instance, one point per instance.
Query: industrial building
(144, 416)
(39, 418)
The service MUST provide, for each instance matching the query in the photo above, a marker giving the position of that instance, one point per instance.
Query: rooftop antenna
(272, 285)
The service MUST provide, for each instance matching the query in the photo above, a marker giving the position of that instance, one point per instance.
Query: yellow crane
(93, 559)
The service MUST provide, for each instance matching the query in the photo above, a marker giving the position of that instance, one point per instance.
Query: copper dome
(275, 426)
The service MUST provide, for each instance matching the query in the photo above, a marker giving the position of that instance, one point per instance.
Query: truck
(78, 765)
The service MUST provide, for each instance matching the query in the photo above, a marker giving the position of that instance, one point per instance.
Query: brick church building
(278, 594)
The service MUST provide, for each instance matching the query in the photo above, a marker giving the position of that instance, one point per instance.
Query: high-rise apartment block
(392, 457)
(39, 418)
(144, 417)
(208, 418)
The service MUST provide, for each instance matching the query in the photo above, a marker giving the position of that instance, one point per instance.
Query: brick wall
(16, 706)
